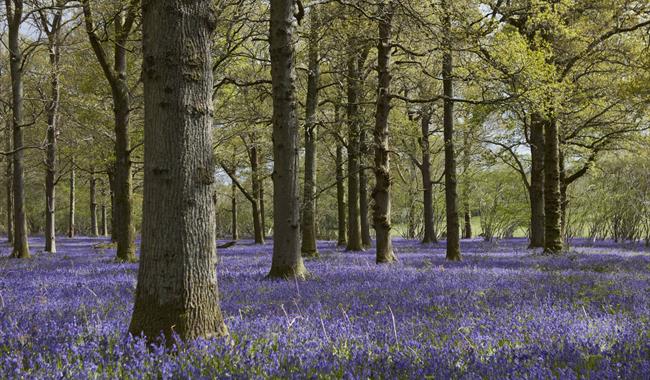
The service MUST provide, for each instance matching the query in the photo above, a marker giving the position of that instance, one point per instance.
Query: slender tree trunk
(564, 201)
(233, 210)
(354, 242)
(258, 228)
(308, 247)
(71, 205)
(104, 221)
(430, 235)
(50, 161)
(262, 209)
(451, 183)
(94, 228)
(287, 261)
(177, 288)
(536, 190)
(381, 194)
(552, 195)
(111, 181)
(468, 234)
(340, 196)
(9, 185)
(366, 241)
(467, 208)
(14, 19)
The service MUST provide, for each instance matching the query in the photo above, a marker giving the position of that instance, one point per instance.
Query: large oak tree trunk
(451, 183)
(430, 235)
(536, 190)
(177, 281)
(308, 247)
(381, 194)
(14, 20)
(552, 196)
(287, 261)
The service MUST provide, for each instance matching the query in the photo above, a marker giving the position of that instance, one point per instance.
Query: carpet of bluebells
(503, 312)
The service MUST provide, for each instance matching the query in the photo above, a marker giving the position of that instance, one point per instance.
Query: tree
(381, 193)
(177, 287)
(15, 15)
(287, 260)
(124, 20)
(308, 247)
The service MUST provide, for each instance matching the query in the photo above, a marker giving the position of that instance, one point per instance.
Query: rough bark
(354, 241)
(381, 194)
(177, 281)
(308, 246)
(430, 235)
(451, 183)
(71, 204)
(14, 10)
(536, 190)
(552, 196)
(340, 197)
(364, 208)
(94, 228)
(123, 229)
(287, 260)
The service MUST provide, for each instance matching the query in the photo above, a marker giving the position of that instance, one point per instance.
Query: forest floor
(503, 312)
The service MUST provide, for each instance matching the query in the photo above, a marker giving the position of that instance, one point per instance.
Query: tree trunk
(468, 234)
(308, 247)
(111, 180)
(258, 227)
(430, 235)
(71, 205)
(340, 196)
(536, 190)
(52, 110)
(233, 211)
(451, 183)
(14, 21)
(366, 241)
(381, 194)
(177, 288)
(287, 261)
(123, 229)
(354, 242)
(262, 208)
(104, 221)
(94, 228)
(9, 185)
(552, 196)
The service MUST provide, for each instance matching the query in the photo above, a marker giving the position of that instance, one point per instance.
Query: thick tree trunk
(308, 247)
(366, 241)
(233, 212)
(451, 183)
(14, 20)
(340, 197)
(536, 190)
(430, 235)
(71, 204)
(552, 195)
(354, 242)
(258, 225)
(94, 228)
(9, 185)
(177, 281)
(381, 194)
(287, 261)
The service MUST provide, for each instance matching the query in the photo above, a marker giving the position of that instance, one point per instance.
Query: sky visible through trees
(324, 189)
